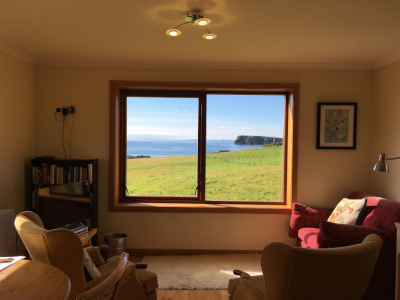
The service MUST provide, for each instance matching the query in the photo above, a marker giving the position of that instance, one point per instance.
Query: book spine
(80, 173)
(90, 170)
(65, 178)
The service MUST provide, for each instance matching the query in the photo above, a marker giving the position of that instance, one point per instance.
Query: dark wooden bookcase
(66, 163)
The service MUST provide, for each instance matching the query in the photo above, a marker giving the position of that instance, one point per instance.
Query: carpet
(201, 272)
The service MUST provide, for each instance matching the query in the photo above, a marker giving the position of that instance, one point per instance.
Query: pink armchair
(309, 225)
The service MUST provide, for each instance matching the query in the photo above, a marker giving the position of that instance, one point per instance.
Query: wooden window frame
(117, 199)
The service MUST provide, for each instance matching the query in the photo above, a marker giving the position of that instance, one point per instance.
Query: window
(190, 146)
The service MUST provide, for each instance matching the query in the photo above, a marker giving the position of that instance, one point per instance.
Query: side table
(86, 238)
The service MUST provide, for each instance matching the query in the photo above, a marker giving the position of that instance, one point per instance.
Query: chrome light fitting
(194, 17)
(382, 165)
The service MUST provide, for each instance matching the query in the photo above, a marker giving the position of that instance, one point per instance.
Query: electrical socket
(58, 109)
(65, 111)
(71, 109)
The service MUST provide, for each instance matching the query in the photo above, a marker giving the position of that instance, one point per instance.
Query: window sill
(201, 208)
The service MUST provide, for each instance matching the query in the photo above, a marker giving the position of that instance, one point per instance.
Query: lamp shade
(381, 165)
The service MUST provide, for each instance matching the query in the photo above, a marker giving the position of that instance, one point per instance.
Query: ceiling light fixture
(195, 17)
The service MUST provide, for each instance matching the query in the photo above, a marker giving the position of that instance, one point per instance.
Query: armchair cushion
(304, 216)
(90, 267)
(94, 253)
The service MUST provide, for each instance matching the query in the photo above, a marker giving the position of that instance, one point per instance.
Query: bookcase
(49, 173)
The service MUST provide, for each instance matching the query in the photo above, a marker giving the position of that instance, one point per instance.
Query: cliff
(256, 140)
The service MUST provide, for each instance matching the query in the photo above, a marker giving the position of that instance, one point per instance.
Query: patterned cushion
(308, 236)
(384, 216)
(348, 211)
(304, 216)
(336, 235)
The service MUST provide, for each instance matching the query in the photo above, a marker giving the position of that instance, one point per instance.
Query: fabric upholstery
(315, 274)
(309, 237)
(248, 289)
(63, 249)
(336, 235)
(109, 287)
(304, 216)
(233, 284)
(94, 253)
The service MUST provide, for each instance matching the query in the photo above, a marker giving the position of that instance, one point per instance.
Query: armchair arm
(304, 216)
(94, 253)
(237, 272)
(336, 235)
(141, 266)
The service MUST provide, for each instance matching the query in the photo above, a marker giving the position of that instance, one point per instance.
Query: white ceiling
(352, 34)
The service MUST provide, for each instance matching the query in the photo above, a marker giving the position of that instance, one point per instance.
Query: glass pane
(244, 160)
(162, 146)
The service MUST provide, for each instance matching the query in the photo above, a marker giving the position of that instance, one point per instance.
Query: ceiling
(355, 34)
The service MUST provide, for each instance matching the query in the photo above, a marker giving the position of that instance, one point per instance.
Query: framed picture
(337, 125)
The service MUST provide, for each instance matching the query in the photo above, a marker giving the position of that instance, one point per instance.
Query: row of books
(77, 228)
(52, 174)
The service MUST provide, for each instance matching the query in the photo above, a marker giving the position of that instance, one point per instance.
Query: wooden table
(86, 238)
(33, 280)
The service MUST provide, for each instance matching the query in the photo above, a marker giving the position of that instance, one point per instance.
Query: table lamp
(381, 165)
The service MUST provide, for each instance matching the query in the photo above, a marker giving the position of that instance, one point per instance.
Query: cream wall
(17, 130)
(385, 122)
(324, 176)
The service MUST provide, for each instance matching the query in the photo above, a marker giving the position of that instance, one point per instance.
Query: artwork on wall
(337, 124)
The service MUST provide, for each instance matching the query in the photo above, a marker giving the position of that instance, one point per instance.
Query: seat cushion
(233, 284)
(308, 237)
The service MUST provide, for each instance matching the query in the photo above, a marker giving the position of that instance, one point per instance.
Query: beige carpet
(201, 272)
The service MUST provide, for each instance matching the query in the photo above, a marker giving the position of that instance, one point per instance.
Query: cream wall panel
(17, 130)
(385, 122)
(324, 176)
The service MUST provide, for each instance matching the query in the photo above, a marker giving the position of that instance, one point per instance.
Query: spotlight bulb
(203, 21)
(173, 32)
(209, 36)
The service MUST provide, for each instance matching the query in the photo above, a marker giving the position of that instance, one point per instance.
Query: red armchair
(311, 229)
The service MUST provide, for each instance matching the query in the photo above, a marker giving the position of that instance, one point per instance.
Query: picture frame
(337, 125)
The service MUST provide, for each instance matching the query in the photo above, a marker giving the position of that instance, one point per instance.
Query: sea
(180, 147)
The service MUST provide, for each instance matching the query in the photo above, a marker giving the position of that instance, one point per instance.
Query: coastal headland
(256, 140)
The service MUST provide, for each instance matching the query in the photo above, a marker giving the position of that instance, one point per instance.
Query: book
(74, 226)
(81, 231)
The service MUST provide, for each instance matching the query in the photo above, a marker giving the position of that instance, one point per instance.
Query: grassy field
(248, 175)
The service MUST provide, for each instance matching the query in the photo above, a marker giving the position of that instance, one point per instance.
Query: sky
(228, 116)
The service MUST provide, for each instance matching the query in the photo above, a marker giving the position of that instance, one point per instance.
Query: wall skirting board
(161, 252)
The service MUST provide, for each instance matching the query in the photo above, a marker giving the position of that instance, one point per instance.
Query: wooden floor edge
(162, 252)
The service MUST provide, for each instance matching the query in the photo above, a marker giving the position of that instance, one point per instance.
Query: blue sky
(227, 117)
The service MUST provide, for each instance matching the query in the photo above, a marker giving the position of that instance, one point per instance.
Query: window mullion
(202, 146)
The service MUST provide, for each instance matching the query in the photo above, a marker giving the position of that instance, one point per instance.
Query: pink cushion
(308, 237)
(304, 216)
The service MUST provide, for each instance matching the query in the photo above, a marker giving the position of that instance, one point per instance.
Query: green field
(248, 175)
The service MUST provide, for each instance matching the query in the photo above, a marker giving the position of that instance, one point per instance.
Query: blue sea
(180, 147)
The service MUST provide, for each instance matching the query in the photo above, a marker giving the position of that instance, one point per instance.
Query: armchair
(63, 249)
(309, 274)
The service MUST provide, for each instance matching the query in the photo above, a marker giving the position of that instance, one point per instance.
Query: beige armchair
(309, 274)
(109, 287)
(63, 249)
